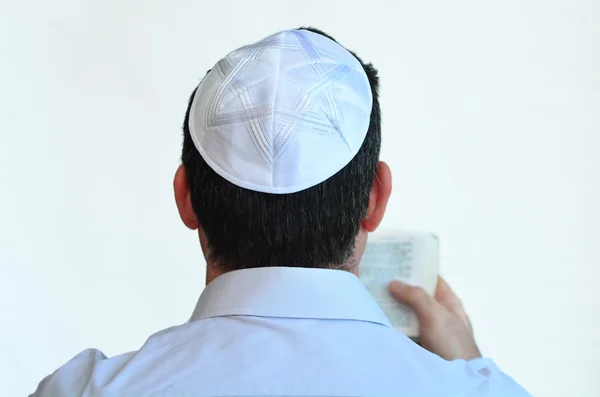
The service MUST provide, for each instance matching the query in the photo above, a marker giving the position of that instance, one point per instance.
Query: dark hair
(316, 227)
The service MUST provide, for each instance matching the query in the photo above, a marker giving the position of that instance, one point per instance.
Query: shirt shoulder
(73, 378)
(238, 356)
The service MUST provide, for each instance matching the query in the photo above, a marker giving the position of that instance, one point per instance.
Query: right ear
(183, 199)
(378, 199)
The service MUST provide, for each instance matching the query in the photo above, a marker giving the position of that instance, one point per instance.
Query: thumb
(415, 297)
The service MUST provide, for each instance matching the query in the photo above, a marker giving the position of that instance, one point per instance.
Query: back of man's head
(313, 227)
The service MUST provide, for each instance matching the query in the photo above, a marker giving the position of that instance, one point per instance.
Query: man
(281, 177)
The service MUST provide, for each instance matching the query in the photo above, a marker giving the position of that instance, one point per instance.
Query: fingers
(448, 299)
(445, 295)
(444, 326)
(416, 297)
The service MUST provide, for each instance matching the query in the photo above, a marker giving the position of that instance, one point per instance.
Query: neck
(213, 271)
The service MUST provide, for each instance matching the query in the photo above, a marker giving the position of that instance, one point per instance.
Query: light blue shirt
(279, 332)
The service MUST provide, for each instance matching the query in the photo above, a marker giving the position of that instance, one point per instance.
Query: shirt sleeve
(495, 382)
(70, 380)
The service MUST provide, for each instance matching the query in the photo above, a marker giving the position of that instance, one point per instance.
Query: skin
(445, 327)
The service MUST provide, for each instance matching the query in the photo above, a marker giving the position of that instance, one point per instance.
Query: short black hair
(316, 227)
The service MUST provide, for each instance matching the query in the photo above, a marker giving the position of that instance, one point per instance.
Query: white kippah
(283, 114)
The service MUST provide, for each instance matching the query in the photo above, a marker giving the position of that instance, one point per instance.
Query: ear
(183, 199)
(380, 194)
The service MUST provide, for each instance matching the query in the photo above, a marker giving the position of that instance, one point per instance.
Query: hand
(445, 328)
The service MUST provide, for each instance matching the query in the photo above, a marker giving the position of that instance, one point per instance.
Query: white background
(491, 127)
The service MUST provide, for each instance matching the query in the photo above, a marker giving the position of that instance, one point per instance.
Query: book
(410, 257)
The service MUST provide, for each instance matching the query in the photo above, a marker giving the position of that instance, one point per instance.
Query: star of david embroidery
(271, 144)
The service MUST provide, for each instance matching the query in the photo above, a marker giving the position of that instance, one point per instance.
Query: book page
(412, 258)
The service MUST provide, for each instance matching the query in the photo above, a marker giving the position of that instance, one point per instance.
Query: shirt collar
(288, 292)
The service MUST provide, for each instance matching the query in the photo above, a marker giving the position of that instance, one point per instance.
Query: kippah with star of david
(283, 114)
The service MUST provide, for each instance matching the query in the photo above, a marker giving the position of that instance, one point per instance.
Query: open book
(410, 257)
